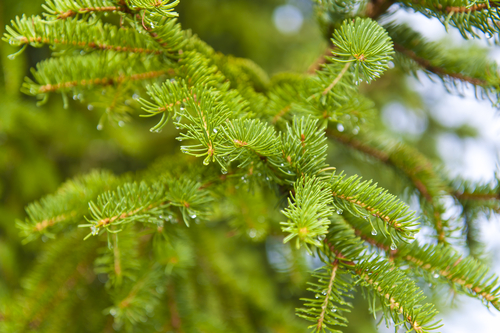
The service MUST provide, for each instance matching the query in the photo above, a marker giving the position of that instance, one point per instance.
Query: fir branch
(66, 206)
(121, 262)
(477, 197)
(468, 17)
(308, 212)
(411, 163)
(97, 36)
(327, 308)
(62, 9)
(133, 202)
(426, 65)
(249, 139)
(100, 81)
(441, 263)
(362, 198)
(379, 277)
(96, 69)
(397, 293)
(371, 52)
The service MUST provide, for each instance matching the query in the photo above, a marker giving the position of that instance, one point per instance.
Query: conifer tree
(194, 242)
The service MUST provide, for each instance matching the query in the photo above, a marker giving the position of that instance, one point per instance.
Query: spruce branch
(327, 308)
(362, 198)
(53, 212)
(440, 263)
(452, 67)
(303, 148)
(308, 212)
(145, 203)
(79, 34)
(66, 74)
(411, 163)
(398, 295)
(63, 9)
(366, 44)
(121, 262)
(426, 65)
(469, 17)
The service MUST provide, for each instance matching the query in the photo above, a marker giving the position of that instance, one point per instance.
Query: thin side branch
(324, 306)
(102, 81)
(426, 64)
(92, 45)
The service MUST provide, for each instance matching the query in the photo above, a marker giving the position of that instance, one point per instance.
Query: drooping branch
(426, 65)
(410, 171)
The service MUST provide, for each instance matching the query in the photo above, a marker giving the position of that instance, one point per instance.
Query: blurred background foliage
(40, 147)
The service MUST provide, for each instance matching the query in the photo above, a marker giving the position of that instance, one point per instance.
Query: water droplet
(99, 127)
(436, 275)
(355, 130)
(206, 161)
(182, 109)
(323, 292)
(224, 171)
(121, 123)
(393, 247)
(193, 216)
(90, 107)
(334, 310)
(321, 237)
(94, 230)
(11, 57)
(252, 233)
(215, 130)
(160, 216)
(374, 232)
(316, 296)
(135, 96)
(289, 172)
(339, 211)
(112, 312)
(282, 164)
(340, 127)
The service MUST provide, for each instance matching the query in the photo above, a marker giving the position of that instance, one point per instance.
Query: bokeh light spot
(288, 19)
